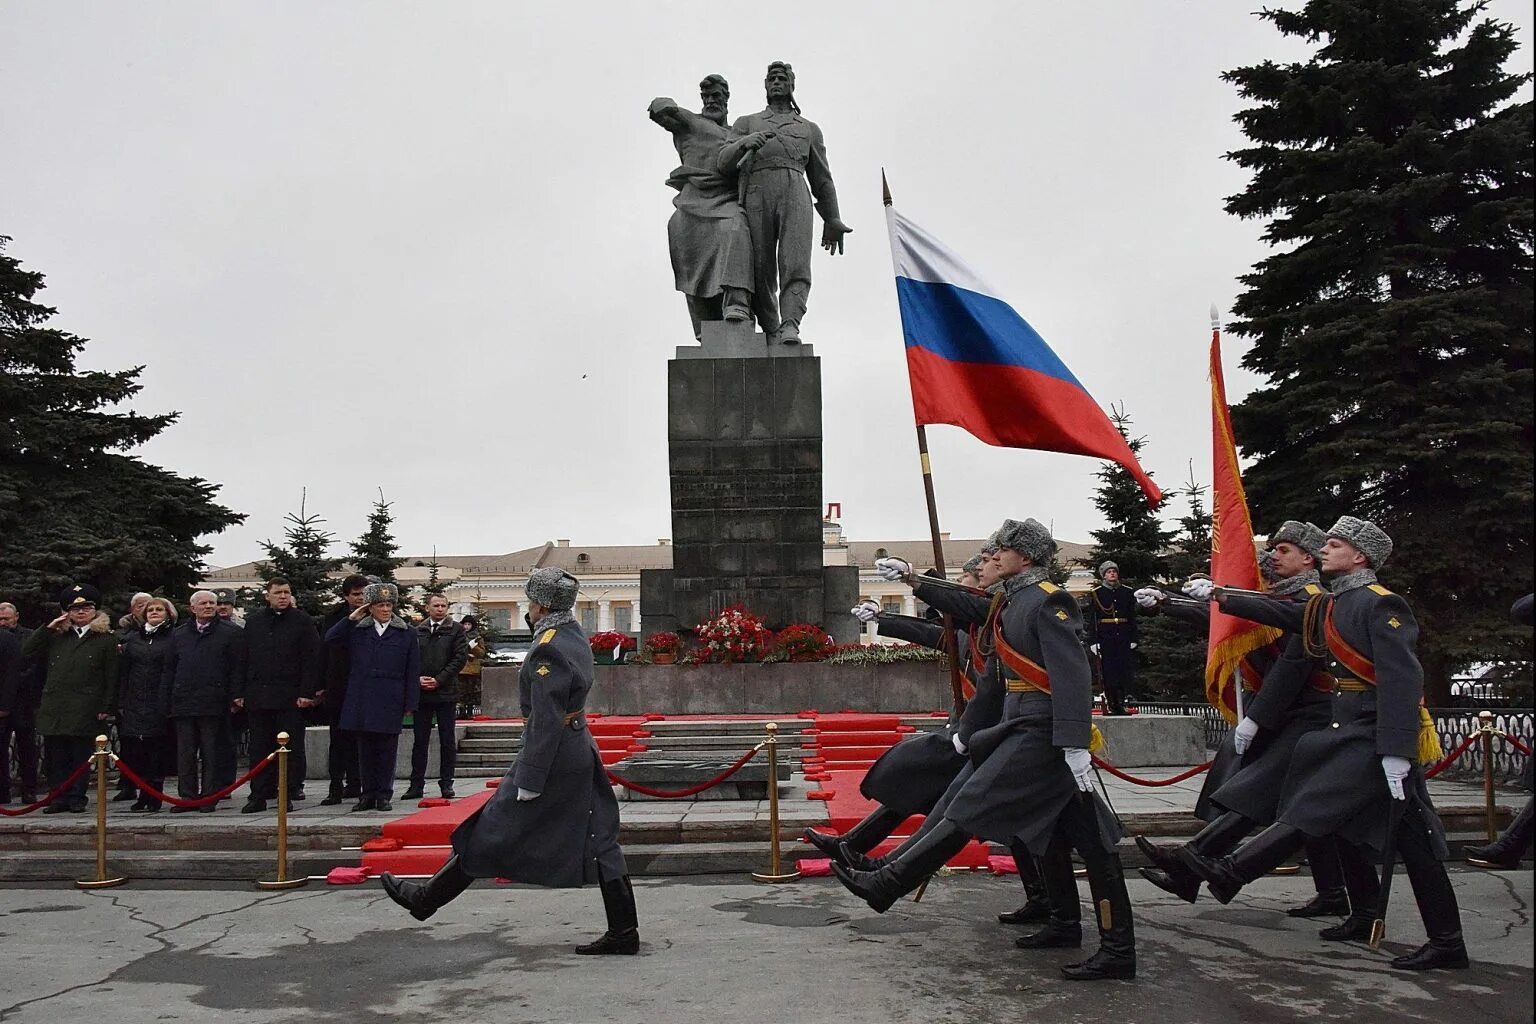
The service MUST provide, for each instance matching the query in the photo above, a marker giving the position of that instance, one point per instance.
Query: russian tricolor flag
(977, 365)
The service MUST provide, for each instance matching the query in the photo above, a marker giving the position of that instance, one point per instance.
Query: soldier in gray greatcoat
(1242, 789)
(1032, 782)
(913, 776)
(553, 821)
(1345, 779)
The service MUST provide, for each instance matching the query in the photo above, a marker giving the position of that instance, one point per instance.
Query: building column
(604, 615)
(634, 613)
(909, 605)
(515, 612)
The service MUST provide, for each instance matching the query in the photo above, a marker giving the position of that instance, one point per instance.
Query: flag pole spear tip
(885, 188)
(1215, 317)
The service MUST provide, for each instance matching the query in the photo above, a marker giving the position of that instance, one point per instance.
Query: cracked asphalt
(725, 949)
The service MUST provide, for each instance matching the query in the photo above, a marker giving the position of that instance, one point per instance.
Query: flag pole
(951, 645)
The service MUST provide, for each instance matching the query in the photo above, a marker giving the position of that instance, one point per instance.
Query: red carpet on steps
(839, 749)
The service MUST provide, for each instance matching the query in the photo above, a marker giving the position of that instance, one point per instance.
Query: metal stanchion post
(775, 872)
(1485, 726)
(282, 881)
(101, 881)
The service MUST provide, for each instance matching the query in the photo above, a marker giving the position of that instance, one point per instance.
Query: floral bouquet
(611, 645)
(803, 642)
(735, 635)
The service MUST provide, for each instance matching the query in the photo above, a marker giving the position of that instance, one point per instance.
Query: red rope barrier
(51, 797)
(1517, 744)
(204, 801)
(1445, 762)
(1117, 773)
(691, 790)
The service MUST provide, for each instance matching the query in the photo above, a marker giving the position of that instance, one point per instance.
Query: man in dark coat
(11, 663)
(553, 821)
(203, 671)
(1358, 778)
(1033, 778)
(341, 761)
(444, 650)
(383, 686)
(20, 720)
(1110, 626)
(80, 689)
(1277, 708)
(282, 677)
(1504, 853)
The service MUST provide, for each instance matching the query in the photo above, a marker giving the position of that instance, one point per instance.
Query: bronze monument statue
(707, 234)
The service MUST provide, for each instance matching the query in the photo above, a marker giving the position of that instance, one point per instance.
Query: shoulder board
(1048, 586)
(1313, 589)
(546, 636)
(1377, 588)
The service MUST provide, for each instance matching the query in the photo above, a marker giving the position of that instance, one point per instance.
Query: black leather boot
(876, 826)
(1037, 904)
(423, 899)
(1436, 899)
(1064, 929)
(1182, 884)
(1448, 952)
(1354, 928)
(883, 887)
(1360, 880)
(1258, 857)
(1327, 903)
(1504, 853)
(1116, 956)
(623, 935)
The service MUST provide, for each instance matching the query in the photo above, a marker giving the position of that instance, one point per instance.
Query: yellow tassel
(1095, 740)
(1430, 751)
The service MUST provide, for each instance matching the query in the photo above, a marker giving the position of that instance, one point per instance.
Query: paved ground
(722, 949)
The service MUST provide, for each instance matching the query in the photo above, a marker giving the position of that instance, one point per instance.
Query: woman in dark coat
(383, 686)
(553, 821)
(143, 720)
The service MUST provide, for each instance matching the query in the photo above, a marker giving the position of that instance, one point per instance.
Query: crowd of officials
(185, 687)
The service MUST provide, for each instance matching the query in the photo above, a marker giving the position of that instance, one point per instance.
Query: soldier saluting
(1346, 779)
(553, 821)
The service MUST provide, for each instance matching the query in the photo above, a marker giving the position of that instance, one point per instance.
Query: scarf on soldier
(1294, 584)
(1352, 581)
(1028, 578)
(553, 619)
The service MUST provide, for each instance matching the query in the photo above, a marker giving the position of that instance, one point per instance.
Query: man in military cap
(1242, 789)
(553, 821)
(1111, 630)
(79, 691)
(1358, 778)
(1032, 782)
(779, 152)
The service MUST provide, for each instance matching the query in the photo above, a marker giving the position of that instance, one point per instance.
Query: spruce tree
(434, 584)
(1134, 538)
(1192, 544)
(75, 504)
(1174, 650)
(1392, 324)
(375, 552)
(302, 559)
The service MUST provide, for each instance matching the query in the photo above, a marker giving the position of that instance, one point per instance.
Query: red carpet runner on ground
(837, 752)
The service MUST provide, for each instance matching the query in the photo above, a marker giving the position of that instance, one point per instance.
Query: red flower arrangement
(804, 642)
(609, 640)
(661, 643)
(735, 635)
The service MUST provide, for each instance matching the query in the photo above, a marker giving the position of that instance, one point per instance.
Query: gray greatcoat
(1021, 783)
(1336, 785)
(569, 835)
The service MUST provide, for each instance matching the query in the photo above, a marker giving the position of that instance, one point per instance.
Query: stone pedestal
(744, 447)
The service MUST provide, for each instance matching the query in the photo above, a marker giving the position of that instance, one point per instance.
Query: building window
(622, 619)
(497, 620)
(588, 613)
(890, 605)
(922, 609)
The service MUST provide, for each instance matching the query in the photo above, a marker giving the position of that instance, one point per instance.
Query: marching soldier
(913, 776)
(1368, 634)
(1111, 629)
(553, 821)
(1032, 777)
(1242, 789)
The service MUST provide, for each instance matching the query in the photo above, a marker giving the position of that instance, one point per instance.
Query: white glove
(1133, 645)
(1080, 764)
(1093, 649)
(524, 795)
(1396, 770)
(893, 569)
(1242, 736)
(960, 747)
(1199, 589)
(865, 611)
(1149, 597)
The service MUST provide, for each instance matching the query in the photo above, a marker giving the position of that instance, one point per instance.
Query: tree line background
(1392, 328)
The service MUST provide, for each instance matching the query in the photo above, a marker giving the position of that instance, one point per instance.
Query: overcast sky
(423, 246)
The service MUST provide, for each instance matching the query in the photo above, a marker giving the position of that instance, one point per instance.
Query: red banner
(1234, 560)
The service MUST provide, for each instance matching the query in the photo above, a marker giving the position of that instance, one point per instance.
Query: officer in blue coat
(554, 820)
